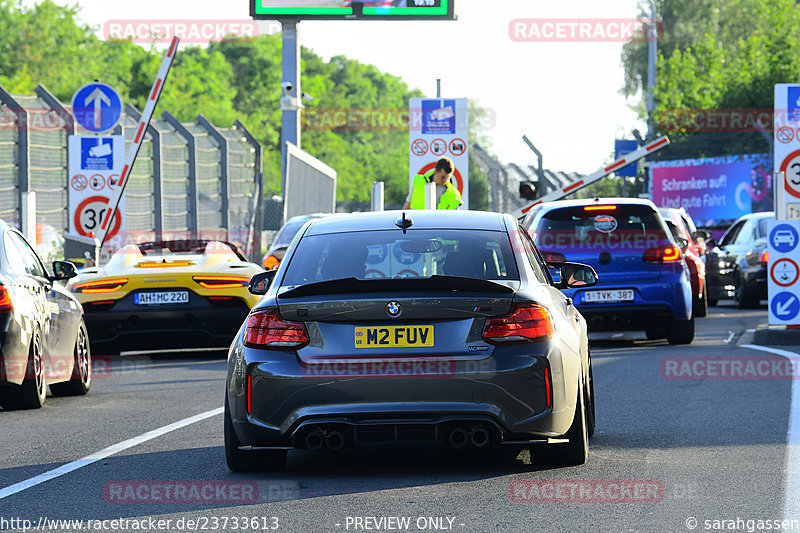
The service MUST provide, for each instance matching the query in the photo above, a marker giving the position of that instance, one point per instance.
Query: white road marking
(791, 508)
(106, 452)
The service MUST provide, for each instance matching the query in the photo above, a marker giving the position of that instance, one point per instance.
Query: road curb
(767, 335)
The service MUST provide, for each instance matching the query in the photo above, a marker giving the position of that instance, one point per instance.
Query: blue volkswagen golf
(643, 283)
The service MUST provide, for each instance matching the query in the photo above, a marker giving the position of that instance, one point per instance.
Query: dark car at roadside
(441, 327)
(43, 340)
(284, 238)
(736, 266)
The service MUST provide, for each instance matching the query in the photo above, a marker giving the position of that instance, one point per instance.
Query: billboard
(714, 191)
(352, 9)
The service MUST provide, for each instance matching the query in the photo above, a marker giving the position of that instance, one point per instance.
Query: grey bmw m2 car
(440, 326)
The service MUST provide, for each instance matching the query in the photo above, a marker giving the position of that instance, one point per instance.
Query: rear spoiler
(361, 286)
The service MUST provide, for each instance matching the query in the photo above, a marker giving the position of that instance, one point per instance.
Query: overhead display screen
(352, 9)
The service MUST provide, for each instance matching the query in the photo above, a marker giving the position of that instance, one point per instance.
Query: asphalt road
(669, 449)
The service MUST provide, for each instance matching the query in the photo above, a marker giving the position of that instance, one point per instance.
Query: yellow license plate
(394, 337)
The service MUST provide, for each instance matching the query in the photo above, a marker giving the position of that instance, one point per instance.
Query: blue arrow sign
(785, 306)
(97, 107)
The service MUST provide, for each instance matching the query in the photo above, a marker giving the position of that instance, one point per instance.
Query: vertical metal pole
(28, 216)
(779, 195)
(225, 188)
(430, 195)
(377, 196)
(438, 88)
(290, 99)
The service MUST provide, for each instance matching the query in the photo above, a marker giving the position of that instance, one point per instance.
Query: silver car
(439, 326)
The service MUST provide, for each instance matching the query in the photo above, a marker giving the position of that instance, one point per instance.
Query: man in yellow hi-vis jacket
(447, 196)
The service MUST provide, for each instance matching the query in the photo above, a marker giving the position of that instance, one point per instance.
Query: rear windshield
(633, 227)
(390, 254)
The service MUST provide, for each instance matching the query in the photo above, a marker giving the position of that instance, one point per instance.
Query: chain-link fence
(190, 180)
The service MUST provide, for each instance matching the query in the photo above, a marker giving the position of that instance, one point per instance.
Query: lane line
(104, 453)
(791, 508)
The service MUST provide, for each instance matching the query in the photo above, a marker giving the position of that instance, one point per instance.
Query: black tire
(655, 333)
(746, 298)
(681, 332)
(590, 414)
(33, 391)
(700, 304)
(249, 461)
(81, 380)
(712, 302)
(576, 451)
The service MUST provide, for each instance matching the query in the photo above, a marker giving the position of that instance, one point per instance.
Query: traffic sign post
(783, 288)
(438, 127)
(644, 151)
(97, 107)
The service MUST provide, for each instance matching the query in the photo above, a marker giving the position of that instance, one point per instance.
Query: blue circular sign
(97, 107)
(785, 306)
(783, 238)
(403, 257)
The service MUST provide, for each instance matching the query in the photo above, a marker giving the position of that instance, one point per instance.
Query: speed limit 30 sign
(787, 144)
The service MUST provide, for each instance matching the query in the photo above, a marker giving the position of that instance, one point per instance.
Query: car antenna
(404, 222)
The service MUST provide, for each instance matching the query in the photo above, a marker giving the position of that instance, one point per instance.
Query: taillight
(528, 323)
(554, 257)
(164, 264)
(221, 282)
(764, 258)
(101, 286)
(249, 394)
(662, 254)
(271, 262)
(600, 208)
(6, 304)
(548, 393)
(266, 329)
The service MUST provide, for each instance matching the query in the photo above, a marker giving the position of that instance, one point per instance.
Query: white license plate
(161, 298)
(601, 297)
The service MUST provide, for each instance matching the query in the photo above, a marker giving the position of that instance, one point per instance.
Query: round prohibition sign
(784, 272)
(90, 213)
(438, 147)
(456, 175)
(419, 147)
(791, 169)
(97, 182)
(458, 147)
(79, 182)
(785, 134)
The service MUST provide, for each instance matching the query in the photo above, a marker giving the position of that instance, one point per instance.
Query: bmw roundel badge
(394, 309)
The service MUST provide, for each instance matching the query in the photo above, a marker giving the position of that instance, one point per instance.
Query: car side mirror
(574, 275)
(682, 243)
(259, 284)
(63, 270)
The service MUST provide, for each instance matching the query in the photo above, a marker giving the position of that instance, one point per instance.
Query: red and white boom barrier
(144, 123)
(644, 151)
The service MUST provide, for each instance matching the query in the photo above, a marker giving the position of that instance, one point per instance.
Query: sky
(565, 96)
